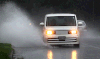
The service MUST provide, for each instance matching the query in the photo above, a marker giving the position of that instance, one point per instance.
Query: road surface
(89, 49)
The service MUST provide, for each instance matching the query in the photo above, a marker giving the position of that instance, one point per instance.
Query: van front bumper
(70, 39)
(63, 43)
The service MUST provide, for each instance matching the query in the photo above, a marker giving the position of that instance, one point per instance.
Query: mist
(15, 27)
(91, 33)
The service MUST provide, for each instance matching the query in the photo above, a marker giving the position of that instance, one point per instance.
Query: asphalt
(89, 49)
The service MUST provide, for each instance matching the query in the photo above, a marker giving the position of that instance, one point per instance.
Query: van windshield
(61, 21)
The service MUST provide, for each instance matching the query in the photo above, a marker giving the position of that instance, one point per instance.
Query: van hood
(61, 27)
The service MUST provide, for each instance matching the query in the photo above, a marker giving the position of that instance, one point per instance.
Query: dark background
(87, 10)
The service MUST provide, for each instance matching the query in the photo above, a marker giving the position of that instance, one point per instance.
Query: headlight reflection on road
(74, 54)
(50, 54)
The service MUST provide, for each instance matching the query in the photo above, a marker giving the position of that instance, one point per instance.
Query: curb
(12, 52)
(13, 55)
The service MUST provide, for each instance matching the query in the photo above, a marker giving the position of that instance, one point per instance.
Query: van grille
(57, 40)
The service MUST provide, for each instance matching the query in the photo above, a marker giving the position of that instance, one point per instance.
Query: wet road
(89, 49)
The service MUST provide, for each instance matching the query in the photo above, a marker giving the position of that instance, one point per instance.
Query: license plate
(61, 37)
(61, 32)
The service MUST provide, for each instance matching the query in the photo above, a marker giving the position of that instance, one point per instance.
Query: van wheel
(77, 45)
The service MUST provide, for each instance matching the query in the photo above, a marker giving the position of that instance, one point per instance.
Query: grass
(5, 50)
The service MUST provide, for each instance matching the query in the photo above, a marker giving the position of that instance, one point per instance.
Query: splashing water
(15, 27)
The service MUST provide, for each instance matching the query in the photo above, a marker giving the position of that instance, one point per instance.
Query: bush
(5, 50)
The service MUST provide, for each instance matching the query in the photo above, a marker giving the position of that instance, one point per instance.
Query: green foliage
(5, 50)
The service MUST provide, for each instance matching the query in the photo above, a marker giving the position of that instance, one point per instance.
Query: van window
(61, 21)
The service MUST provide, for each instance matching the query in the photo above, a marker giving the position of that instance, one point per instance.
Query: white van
(60, 29)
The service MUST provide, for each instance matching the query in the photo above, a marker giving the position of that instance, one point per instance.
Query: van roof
(60, 14)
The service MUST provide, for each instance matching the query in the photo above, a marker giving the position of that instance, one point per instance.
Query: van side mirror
(80, 24)
(41, 24)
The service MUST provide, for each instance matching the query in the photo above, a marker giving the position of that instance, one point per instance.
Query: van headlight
(72, 32)
(50, 32)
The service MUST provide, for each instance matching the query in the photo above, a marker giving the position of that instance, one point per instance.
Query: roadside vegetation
(5, 50)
